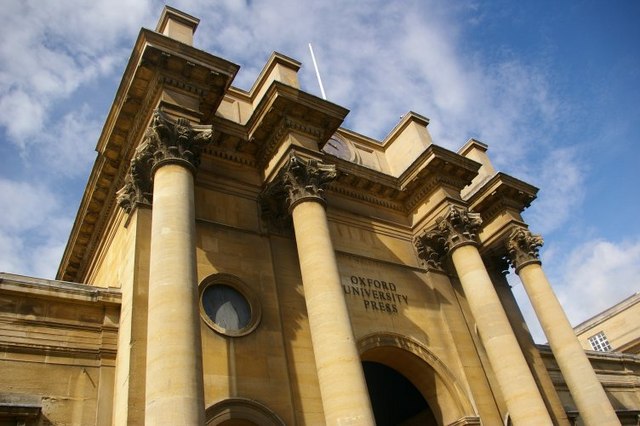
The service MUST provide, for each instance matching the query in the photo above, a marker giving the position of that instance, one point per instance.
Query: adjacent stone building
(239, 258)
(614, 329)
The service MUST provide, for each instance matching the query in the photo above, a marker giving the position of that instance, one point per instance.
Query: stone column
(174, 385)
(585, 388)
(343, 388)
(455, 234)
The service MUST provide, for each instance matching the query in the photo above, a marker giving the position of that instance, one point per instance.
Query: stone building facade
(614, 329)
(239, 258)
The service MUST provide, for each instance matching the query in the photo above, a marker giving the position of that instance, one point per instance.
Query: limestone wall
(57, 350)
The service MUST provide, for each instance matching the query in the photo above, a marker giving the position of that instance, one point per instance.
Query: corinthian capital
(165, 141)
(298, 180)
(522, 248)
(305, 179)
(137, 188)
(176, 141)
(457, 227)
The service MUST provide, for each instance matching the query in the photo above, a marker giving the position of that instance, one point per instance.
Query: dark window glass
(226, 307)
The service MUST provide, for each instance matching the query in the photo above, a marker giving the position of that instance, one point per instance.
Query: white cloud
(33, 225)
(597, 275)
(51, 49)
(561, 179)
(23, 115)
(68, 146)
(24, 205)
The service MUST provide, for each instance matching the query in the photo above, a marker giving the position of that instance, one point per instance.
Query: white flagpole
(315, 65)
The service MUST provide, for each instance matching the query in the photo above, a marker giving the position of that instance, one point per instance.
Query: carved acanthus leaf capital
(457, 227)
(165, 141)
(431, 247)
(297, 181)
(522, 248)
(306, 179)
(137, 188)
(176, 141)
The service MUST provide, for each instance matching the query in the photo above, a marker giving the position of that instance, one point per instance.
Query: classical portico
(455, 235)
(241, 257)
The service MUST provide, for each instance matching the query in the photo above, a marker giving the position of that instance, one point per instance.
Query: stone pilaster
(586, 390)
(164, 164)
(455, 234)
(345, 398)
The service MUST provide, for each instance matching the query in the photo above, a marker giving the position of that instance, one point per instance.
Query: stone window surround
(241, 287)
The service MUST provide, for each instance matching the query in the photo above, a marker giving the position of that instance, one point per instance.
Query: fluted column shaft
(455, 234)
(584, 386)
(343, 389)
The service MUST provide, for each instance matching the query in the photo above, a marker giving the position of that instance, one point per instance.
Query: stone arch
(437, 384)
(241, 412)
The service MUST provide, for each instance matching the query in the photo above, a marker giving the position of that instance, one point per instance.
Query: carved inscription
(376, 295)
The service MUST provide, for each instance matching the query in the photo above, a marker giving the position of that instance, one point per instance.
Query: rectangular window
(599, 342)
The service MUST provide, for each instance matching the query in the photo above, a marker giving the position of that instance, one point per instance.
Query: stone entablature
(435, 168)
(30, 307)
(159, 70)
(256, 128)
(501, 192)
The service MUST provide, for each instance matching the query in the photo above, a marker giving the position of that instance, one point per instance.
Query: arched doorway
(241, 412)
(396, 360)
(395, 400)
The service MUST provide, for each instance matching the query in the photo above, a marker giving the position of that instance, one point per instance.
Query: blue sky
(552, 87)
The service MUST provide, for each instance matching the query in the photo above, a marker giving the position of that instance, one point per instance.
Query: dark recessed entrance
(394, 398)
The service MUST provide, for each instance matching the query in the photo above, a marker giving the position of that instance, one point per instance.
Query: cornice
(96, 353)
(364, 184)
(70, 292)
(502, 192)
(157, 61)
(231, 142)
(153, 52)
(283, 109)
(435, 167)
(444, 160)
